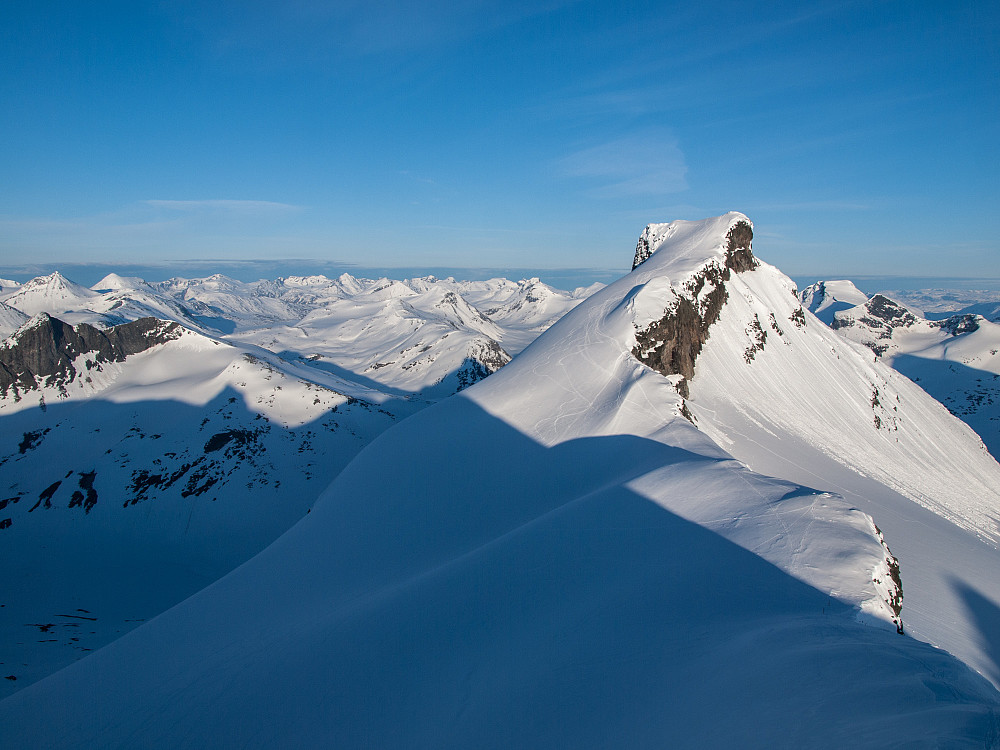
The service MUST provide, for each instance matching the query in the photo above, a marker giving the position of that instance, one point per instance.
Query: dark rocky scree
(43, 354)
(957, 324)
(671, 345)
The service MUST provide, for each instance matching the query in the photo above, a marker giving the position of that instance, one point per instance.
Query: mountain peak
(114, 282)
(671, 343)
(736, 237)
(825, 299)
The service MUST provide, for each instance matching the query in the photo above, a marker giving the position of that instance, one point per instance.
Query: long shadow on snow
(460, 585)
(987, 617)
(128, 508)
(946, 381)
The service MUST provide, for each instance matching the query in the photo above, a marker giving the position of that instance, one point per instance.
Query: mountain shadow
(970, 394)
(461, 585)
(986, 615)
(121, 510)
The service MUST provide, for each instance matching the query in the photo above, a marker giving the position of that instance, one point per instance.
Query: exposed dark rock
(798, 317)
(758, 337)
(642, 251)
(895, 593)
(485, 358)
(43, 351)
(88, 500)
(957, 324)
(739, 253)
(775, 327)
(30, 440)
(671, 344)
(46, 496)
(143, 480)
(881, 311)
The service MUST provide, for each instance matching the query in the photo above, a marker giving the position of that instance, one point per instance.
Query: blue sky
(860, 137)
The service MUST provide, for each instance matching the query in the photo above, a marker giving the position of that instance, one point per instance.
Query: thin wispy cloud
(226, 206)
(645, 163)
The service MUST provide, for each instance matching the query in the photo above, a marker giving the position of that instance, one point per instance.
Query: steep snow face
(955, 359)
(790, 397)
(825, 299)
(848, 404)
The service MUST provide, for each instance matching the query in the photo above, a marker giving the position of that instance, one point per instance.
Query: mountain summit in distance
(687, 514)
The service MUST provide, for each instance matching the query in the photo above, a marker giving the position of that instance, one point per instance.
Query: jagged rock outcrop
(671, 344)
(642, 249)
(45, 351)
(486, 356)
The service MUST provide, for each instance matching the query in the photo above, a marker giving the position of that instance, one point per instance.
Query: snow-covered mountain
(432, 336)
(666, 522)
(825, 298)
(141, 462)
(955, 359)
(145, 424)
(53, 294)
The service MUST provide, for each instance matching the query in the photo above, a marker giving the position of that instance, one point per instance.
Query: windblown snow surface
(572, 554)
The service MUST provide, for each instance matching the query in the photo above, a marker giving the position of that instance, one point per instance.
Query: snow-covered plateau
(688, 514)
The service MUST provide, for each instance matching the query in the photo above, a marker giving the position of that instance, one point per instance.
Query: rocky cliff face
(671, 344)
(45, 351)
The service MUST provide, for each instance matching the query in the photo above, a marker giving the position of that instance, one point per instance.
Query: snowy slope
(10, 320)
(559, 557)
(127, 484)
(53, 294)
(956, 359)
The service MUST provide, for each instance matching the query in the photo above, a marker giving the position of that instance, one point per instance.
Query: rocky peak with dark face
(45, 351)
(671, 344)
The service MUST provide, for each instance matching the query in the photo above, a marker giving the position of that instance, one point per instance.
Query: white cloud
(645, 163)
